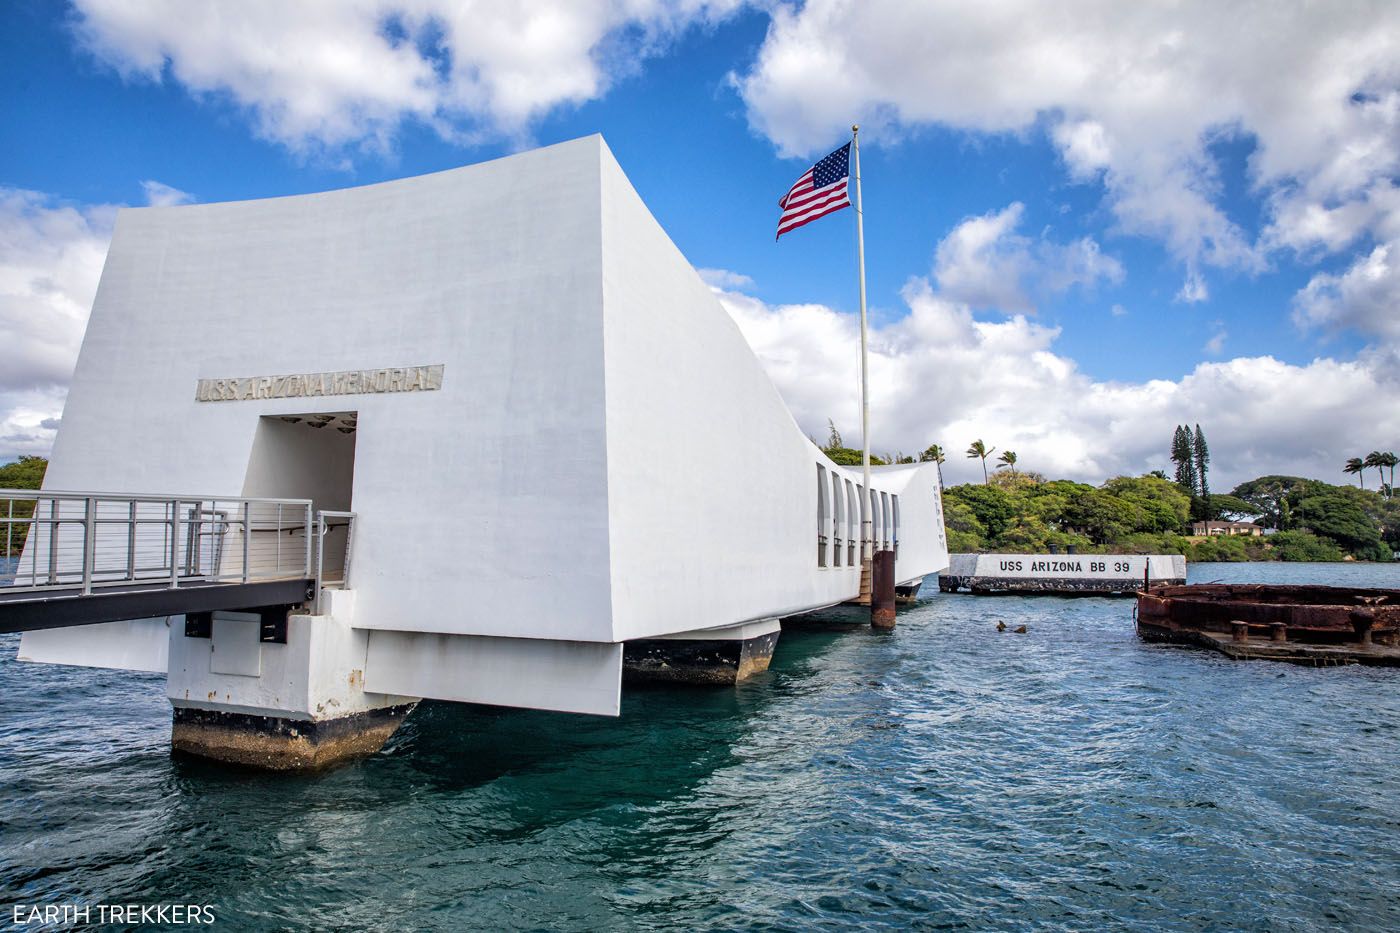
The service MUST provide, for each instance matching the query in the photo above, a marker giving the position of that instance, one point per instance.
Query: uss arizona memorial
(506, 390)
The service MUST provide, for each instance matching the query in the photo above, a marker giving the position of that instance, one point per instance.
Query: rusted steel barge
(1313, 625)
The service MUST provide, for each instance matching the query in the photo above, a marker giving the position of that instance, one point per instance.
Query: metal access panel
(532, 673)
(234, 646)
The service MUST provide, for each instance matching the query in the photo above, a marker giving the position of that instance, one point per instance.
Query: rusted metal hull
(1315, 625)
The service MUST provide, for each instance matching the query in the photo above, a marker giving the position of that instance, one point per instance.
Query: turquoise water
(945, 776)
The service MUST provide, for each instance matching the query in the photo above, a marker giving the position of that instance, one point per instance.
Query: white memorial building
(556, 444)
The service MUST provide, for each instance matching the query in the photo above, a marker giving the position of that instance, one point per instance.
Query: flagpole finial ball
(855, 127)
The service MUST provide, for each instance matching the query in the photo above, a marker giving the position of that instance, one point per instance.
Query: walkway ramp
(86, 558)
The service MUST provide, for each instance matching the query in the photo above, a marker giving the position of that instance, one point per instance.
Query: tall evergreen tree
(1201, 451)
(833, 438)
(1185, 459)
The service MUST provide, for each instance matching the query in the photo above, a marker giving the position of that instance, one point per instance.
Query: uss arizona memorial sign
(298, 385)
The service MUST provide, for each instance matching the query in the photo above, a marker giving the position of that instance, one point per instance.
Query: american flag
(820, 191)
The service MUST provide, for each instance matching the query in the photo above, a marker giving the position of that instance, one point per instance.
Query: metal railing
(332, 557)
(88, 541)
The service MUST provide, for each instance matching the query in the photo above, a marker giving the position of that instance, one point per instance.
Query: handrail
(68, 540)
(137, 497)
(322, 528)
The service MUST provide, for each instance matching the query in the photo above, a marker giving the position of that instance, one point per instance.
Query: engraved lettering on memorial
(299, 385)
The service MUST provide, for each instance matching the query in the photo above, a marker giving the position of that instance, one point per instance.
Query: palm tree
(1356, 465)
(979, 449)
(1390, 460)
(1376, 461)
(1008, 459)
(934, 454)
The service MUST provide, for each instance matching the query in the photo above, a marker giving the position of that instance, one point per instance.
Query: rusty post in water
(882, 590)
(1239, 631)
(1362, 621)
(1278, 631)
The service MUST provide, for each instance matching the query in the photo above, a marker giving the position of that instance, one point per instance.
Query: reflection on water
(945, 775)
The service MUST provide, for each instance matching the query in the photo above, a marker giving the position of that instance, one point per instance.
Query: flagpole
(867, 543)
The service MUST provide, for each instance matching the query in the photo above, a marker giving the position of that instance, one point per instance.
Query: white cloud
(1078, 263)
(1118, 311)
(941, 375)
(159, 194)
(1084, 147)
(1194, 289)
(324, 74)
(983, 262)
(723, 278)
(1134, 96)
(51, 257)
(1366, 297)
(1216, 344)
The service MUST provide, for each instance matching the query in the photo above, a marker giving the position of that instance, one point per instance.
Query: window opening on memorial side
(864, 518)
(885, 521)
(836, 511)
(851, 527)
(894, 506)
(875, 527)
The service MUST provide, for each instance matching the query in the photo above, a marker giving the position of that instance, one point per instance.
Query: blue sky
(1113, 230)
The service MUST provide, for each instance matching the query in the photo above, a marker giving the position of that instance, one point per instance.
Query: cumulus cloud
(985, 263)
(327, 74)
(51, 257)
(1135, 97)
(941, 375)
(982, 262)
(1366, 297)
(159, 194)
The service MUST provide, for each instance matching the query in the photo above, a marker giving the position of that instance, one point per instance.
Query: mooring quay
(495, 486)
(1064, 574)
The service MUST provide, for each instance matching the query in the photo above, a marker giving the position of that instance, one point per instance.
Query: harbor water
(944, 776)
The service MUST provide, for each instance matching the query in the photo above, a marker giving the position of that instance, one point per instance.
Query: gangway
(85, 558)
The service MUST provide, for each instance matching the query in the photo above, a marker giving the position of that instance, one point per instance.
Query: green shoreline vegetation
(1310, 520)
(1021, 512)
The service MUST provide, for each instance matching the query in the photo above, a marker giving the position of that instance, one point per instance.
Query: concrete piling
(882, 602)
(727, 655)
